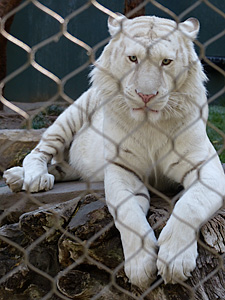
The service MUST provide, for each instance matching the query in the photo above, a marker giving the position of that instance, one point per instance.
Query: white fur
(107, 136)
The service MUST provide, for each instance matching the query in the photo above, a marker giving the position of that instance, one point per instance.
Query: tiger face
(150, 58)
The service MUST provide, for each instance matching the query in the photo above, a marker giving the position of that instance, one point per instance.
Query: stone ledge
(15, 144)
(12, 205)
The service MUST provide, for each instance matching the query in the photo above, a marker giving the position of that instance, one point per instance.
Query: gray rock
(93, 229)
(76, 243)
(15, 144)
(13, 205)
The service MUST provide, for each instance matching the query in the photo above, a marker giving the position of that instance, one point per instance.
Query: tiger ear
(114, 24)
(190, 28)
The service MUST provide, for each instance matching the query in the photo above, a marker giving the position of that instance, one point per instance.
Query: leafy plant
(40, 121)
(46, 117)
(217, 118)
(54, 110)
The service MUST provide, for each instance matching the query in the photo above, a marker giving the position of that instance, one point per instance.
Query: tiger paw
(140, 259)
(141, 269)
(39, 182)
(177, 253)
(14, 178)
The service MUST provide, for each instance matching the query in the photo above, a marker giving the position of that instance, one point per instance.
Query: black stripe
(55, 137)
(126, 168)
(191, 170)
(63, 129)
(81, 117)
(70, 126)
(44, 152)
(143, 195)
(60, 170)
(73, 123)
(87, 106)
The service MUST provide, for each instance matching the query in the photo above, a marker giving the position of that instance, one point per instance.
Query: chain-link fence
(62, 243)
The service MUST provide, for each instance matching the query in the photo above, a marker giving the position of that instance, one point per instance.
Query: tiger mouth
(146, 109)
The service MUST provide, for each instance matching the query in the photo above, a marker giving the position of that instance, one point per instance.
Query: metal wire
(61, 82)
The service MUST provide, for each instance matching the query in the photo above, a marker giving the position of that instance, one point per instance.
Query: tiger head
(151, 63)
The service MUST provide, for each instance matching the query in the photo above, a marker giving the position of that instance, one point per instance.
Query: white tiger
(142, 124)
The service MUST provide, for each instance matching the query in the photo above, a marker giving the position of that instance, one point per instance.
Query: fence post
(5, 7)
(132, 4)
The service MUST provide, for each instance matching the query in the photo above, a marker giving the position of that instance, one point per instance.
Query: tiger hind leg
(63, 172)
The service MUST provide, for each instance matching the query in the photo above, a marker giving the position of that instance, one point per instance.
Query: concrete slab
(62, 191)
(12, 205)
(15, 144)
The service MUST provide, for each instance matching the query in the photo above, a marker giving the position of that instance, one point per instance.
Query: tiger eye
(133, 59)
(166, 61)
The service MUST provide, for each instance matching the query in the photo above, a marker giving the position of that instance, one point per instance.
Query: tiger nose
(146, 97)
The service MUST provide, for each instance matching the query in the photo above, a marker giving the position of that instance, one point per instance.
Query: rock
(61, 231)
(82, 279)
(42, 225)
(93, 229)
(11, 257)
(47, 219)
(212, 233)
(76, 244)
(13, 205)
(77, 284)
(16, 144)
(93, 243)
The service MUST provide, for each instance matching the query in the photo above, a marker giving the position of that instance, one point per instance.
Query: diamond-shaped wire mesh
(63, 244)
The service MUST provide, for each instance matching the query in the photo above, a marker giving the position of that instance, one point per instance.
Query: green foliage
(54, 110)
(217, 118)
(45, 118)
(40, 121)
(19, 157)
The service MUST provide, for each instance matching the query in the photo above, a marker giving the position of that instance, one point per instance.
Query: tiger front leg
(205, 189)
(128, 201)
(36, 176)
(14, 178)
